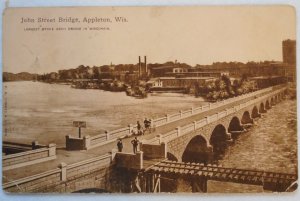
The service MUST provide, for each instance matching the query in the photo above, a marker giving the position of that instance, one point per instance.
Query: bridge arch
(246, 118)
(218, 140)
(235, 124)
(273, 101)
(282, 95)
(262, 108)
(275, 98)
(279, 98)
(255, 112)
(268, 106)
(197, 150)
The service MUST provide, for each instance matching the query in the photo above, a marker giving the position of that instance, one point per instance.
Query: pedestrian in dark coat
(135, 144)
(120, 145)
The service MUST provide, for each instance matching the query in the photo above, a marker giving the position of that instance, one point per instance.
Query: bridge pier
(257, 115)
(210, 153)
(199, 185)
(248, 125)
(235, 134)
(229, 138)
(262, 110)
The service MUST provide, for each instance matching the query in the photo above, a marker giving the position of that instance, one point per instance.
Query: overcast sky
(194, 35)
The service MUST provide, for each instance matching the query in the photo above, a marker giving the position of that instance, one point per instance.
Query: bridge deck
(218, 173)
(70, 157)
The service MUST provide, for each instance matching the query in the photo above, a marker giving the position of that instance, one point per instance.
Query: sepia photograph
(149, 99)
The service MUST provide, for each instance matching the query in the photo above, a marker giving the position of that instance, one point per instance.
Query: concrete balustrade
(76, 169)
(160, 121)
(98, 139)
(207, 120)
(107, 135)
(167, 117)
(63, 173)
(201, 123)
(187, 128)
(170, 135)
(31, 183)
(178, 129)
(26, 158)
(58, 175)
(195, 125)
(87, 142)
(160, 139)
(174, 117)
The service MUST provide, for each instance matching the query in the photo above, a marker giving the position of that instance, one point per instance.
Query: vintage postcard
(149, 99)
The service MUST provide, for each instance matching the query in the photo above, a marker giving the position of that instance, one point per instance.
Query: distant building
(289, 51)
(163, 70)
(267, 81)
(183, 83)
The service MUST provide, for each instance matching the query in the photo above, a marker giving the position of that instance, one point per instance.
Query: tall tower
(143, 70)
(289, 51)
(140, 66)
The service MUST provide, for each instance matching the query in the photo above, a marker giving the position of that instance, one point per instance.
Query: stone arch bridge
(209, 135)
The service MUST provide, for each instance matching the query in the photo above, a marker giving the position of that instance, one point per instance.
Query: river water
(44, 112)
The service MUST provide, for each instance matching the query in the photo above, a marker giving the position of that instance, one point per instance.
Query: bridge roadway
(70, 157)
(200, 173)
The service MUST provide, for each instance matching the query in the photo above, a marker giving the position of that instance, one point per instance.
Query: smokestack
(139, 66)
(145, 58)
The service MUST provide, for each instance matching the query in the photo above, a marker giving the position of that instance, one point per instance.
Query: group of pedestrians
(147, 126)
(140, 131)
(134, 142)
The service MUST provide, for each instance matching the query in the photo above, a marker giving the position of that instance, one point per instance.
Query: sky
(193, 35)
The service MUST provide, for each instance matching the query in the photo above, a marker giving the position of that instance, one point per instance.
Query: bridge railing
(73, 170)
(46, 180)
(160, 121)
(25, 158)
(179, 131)
(174, 117)
(110, 136)
(169, 135)
(98, 139)
(187, 128)
(101, 139)
(193, 111)
(201, 123)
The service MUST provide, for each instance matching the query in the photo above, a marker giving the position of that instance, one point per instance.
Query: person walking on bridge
(120, 145)
(135, 144)
(139, 128)
(147, 124)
